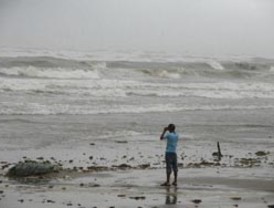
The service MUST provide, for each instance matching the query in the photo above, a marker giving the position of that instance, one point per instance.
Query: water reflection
(171, 195)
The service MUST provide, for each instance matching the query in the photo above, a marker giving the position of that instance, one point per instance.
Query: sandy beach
(126, 169)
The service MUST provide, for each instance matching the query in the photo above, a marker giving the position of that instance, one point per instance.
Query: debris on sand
(121, 141)
(138, 197)
(122, 166)
(236, 198)
(262, 153)
(31, 168)
(196, 201)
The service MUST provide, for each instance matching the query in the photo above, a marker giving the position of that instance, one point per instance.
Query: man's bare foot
(165, 184)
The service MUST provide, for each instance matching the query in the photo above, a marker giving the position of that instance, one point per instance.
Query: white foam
(8, 108)
(55, 73)
(166, 74)
(216, 65)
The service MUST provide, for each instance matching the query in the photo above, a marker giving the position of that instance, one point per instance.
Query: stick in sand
(219, 151)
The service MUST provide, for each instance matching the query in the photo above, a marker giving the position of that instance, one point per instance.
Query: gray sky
(195, 27)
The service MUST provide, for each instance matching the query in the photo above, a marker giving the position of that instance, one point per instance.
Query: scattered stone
(235, 205)
(1, 192)
(144, 166)
(91, 157)
(196, 201)
(5, 166)
(236, 198)
(261, 153)
(121, 195)
(50, 201)
(69, 204)
(40, 158)
(247, 162)
(121, 142)
(123, 166)
(21, 200)
(51, 186)
(81, 184)
(271, 206)
(97, 168)
(92, 144)
(138, 197)
(93, 185)
(70, 161)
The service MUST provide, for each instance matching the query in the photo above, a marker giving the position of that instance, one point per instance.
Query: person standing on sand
(170, 156)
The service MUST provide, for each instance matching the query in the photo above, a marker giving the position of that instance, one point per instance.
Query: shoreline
(141, 188)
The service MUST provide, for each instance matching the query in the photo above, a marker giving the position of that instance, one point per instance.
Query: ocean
(67, 100)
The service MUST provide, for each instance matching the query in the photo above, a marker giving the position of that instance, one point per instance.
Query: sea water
(51, 98)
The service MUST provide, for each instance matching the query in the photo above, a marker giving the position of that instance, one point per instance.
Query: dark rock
(261, 153)
(31, 168)
(121, 142)
(138, 197)
(144, 166)
(196, 201)
(236, 198)
(271, 206)
(123, 166)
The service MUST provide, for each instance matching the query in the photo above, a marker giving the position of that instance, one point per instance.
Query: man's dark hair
(171, 127)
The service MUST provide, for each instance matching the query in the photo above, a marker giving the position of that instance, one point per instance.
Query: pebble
(236, 198)
(196, 201)
(138, 197)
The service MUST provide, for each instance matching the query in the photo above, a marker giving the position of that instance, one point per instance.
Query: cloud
(196, 27)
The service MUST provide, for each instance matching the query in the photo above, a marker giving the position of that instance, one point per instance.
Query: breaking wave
(60, 68)
(65, 109)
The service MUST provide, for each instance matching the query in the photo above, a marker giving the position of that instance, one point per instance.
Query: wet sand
(203, 187)
(126, 168)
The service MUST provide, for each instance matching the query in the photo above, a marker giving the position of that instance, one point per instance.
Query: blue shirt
(172, 140)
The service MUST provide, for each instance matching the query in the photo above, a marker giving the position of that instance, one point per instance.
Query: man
(171, 156)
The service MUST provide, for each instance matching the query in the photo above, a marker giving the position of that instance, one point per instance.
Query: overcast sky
(195, 27)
